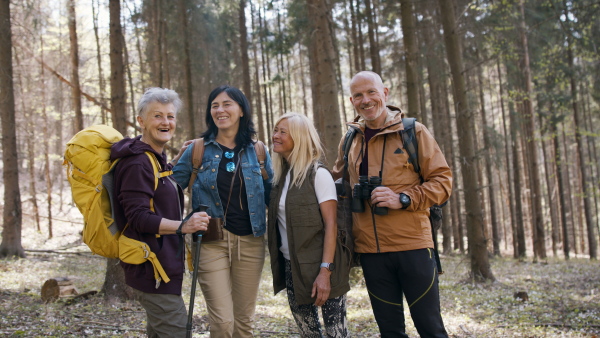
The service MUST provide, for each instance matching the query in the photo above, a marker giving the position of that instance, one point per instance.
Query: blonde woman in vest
(307, 258)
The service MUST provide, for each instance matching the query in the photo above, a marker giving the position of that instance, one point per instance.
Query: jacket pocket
(309, 264)
(308, 231)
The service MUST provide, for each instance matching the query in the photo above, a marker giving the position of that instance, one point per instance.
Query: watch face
(404, 199)
(331, 266)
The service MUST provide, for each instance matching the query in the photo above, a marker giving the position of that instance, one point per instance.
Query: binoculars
(362, 192)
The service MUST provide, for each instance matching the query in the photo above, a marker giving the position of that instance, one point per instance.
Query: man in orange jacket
(396, 246)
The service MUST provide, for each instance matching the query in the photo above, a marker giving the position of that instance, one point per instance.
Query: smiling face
(158, 124)
(369, 97)
(283, 144)
(226, 112)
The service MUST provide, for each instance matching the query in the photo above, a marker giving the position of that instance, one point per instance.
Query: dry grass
(563, 297)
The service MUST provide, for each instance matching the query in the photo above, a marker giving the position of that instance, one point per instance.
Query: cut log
(56, 288)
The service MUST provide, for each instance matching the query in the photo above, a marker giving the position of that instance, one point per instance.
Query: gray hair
(157, 94)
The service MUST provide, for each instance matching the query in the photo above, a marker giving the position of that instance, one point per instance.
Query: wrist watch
(328, 266)
(404, 200)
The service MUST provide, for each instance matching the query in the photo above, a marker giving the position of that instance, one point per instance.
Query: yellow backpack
(90, 174)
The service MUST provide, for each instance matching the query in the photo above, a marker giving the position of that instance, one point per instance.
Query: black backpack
(409, 140)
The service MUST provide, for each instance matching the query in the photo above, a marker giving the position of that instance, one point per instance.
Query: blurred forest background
(510, 89)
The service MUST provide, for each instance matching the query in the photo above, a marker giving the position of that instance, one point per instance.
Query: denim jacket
(205, 187)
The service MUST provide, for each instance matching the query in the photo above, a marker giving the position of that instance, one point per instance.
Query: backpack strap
(409, 140)
(157, 169)
(157, 175)
(197, 154)
(348, 138)
(259, 149)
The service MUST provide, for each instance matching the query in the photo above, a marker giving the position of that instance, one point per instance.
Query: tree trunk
(156, 29)
(101, 83)
(138, 44)
(579, 134)
(519, 231)
(487, 144)
(244, 50)
(355, 43)
(569, 191)
(259, 113)
(372, 31)
(31, 130)
(114, 282)
(187, 68)
(593, 154)
(551, 185)
(303, 80)
(480, 266)
(76, 89)
(410, 57)
(266, 77)
(47, 136)
(164, 58)
(117, 77)
(439, 111)
(533, 160)
(323, 77)
(129, 77)
(508, 140)
(562, 196)
(11, 215)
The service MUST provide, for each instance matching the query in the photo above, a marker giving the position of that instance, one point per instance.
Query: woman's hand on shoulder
(185, 145)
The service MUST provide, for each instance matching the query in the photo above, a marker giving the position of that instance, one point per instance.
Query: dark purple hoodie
(133, 190)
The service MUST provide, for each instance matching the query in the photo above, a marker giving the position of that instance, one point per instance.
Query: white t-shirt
(325, 191)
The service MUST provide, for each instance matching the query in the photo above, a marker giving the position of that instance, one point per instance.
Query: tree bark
(533, 160)
(244, 50)
(114, 281)
(569, 191)
(410, 57)
(508, 140)
(579, 135)
(549, 176)
(156, 32)
(30, 143)
(323, 77)
(76, 89)
(11, 215)
(372, 31)
(564, 207)
(187, 68)
(480, 266)
(355, 43)
(101, 81)
(117, 68)
(439, 110)
(258, 105)
(114, 286)
(487, 144)
(47, 168)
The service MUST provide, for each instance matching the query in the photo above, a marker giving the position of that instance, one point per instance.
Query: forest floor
(564, 296)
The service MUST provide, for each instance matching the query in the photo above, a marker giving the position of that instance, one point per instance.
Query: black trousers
(410, 273)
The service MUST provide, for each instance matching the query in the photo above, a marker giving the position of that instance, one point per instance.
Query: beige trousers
(229, 275)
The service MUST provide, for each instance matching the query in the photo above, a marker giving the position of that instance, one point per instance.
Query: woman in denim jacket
(230, 183)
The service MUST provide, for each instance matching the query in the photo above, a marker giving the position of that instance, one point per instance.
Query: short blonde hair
(307, 151)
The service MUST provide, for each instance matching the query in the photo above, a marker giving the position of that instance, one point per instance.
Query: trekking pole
(197, 239)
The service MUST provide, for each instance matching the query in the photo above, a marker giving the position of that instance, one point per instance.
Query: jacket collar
(392, 124)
